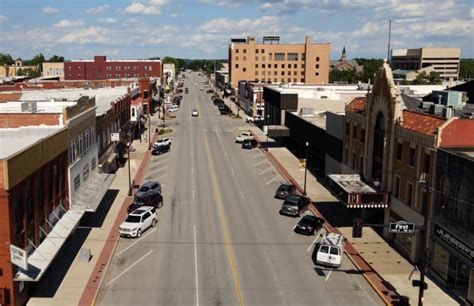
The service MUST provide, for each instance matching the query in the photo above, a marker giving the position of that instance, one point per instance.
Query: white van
(331, 250)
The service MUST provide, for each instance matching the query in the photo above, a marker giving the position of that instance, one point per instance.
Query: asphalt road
(220, 239)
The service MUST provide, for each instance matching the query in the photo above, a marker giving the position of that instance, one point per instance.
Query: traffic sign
(401, 227)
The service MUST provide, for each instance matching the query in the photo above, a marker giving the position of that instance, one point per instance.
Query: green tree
(348, 76)
(6, 59)
(466, 69)
(38, 59)
(370, 67)
(434, 78)
(55, 59)
(421, 79)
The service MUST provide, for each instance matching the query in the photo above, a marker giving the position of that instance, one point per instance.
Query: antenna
(389, 33)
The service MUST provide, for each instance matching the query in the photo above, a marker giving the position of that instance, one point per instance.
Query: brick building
(278, 63)
(101, 69)
(33, 198)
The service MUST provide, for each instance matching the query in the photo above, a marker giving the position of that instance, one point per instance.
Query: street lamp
(268, 119)
(305, 167)
(128, 161)
(149, 130)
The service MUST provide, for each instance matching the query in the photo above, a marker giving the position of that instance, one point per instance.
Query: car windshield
(144, 188)
(309, 219)
(138, 201)
(284, 188)
(292, 200)
(133, 219)
(324, 249)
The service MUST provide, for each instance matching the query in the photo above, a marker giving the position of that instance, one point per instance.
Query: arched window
(447, 209)
(463, 207)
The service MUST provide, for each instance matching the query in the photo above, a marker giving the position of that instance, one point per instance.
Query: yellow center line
(220, 208)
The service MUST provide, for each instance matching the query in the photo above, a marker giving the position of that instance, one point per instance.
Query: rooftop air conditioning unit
(29, 107)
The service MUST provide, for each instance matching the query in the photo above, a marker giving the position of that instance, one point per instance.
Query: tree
(38, 59)
(371, 66)
(434, 78)
(466, 69)
(346, 76)
(6, 59)
(55, 59)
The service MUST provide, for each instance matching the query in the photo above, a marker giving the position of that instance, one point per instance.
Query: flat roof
(42, 107)
(123, 60)
(13, 140)
(351, 183)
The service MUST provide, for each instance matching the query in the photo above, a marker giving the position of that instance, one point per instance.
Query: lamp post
(305, 167)
(149, 130)
(128, 161)
(268, 119)
(426, 257)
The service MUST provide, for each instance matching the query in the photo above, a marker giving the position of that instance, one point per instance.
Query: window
(256, 58)
(295, 73)
(236, 65)
(263, 50)
(361, 164)
(292, 56)
(245, 50)
(270, 57)
(353, 160)
(396, 187)
(263, 65)
(362, 135)
(85, 172)
(294, 80)
(256, 72)
(275, 80)
(412, 159)
(295, 66)
(346, 155)
(302, 80)
(283, 66)
(256, 65)
(289, 79)
(317, 66)
(409, 195)
(93, 164)
(399, 150)
(236, 58)
(348, 128)
(245, 58)
(108, 76)
(275, 66)
(275, 72)
(354, 132)
(109, 68)
(279, 56)
(263, 58)
(236, 50)
(118, 67)
(317, 58)
(303, 56)
(426, 163)
(302, 66)
(282, 72)
(256, 50)
(423, 201)
(244, 69)
(317, 73)
(77, 182)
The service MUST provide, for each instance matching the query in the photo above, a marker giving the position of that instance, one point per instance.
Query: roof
(421, 122)
(13, 96)
(458, 134)
(357, 105)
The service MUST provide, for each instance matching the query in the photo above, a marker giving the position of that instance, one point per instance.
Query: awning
(351, 190)
(44, 254)
(89, 196)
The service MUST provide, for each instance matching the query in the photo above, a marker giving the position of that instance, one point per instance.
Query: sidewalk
(82, 280)
(386, 270)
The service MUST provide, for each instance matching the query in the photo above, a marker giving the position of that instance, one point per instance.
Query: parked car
(249, 144)
(201, 89)
(309, 224)
(224, 111)
(331, 250)
(154, 199)
(186, 90)
(148, 187)
(244, 136)
(295, 205)
(195, 113)
(161, 150)
(253, 119)
(284, 191)
(138, 221)
(209, 91)
(162, 142)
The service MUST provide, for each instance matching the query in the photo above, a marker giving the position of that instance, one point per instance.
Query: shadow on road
(53, 278)
(336, 213)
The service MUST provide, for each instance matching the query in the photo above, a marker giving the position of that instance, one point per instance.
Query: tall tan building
(272, 62)
(445, 61)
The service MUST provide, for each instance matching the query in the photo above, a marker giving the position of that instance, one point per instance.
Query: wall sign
(454, 242)
(18, 257)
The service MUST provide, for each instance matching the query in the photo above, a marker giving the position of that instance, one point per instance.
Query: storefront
(453, 262)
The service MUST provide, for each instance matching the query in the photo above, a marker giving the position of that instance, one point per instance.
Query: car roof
(309, 218)
(150, 183)
(140, 211)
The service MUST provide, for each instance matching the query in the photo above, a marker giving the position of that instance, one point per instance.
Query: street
(220, 239)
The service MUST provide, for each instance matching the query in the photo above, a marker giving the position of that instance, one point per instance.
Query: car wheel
(139, 233)
(153, 223)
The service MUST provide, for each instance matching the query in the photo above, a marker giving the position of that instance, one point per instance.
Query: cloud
(159, 2)
(227, 3)
(50, 10)
(65, 23)
(138, 8)
(3, 18)
(98, 9)
(250, 26)
(108, 20)
(266, 5)
(472, 13)
(91, 35)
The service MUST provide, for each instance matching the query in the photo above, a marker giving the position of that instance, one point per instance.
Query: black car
(284, 191)
(295, 205)
(309, 224)
(249, 144)
(154, 199)
(161, 150)
(186, 90)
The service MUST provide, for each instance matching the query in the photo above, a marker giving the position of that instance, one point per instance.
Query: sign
(367, 199)
(453, 242)
(115, 137)
(271, 38)
(401, 227)
(18, 257)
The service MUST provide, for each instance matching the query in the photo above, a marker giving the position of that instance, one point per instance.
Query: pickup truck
(244, 136)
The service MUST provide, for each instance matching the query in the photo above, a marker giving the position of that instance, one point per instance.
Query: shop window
(354, 132)
(348, 128)
(77, 182)
(362, 135)
(396, 187)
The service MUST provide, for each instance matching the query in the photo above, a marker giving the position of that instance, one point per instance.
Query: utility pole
(389, 37)
(128, 161)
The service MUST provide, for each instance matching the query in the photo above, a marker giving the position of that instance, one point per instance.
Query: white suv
(244, 136)
(162, 142)
(138, 221)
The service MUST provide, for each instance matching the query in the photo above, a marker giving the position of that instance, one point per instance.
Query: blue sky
(79, 29)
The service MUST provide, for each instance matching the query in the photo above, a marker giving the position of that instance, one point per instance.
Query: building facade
(445, 61)
(250, 98)
(278, 63)
(33, 198)
(101, 69)
(53, 70)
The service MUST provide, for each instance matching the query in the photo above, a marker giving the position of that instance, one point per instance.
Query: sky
(202, 29)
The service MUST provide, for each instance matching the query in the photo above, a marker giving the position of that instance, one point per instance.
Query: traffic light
(428, 258)
(357, 228)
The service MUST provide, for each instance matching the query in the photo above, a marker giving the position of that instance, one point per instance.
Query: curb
(352, 252)
(89, 295)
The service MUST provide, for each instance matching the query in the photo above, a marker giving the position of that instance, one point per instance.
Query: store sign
(18, 257)
(454, 242)
(115, 137)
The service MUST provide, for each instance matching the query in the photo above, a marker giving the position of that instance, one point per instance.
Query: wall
(28, 119)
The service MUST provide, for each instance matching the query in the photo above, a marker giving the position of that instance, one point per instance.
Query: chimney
(308, 40)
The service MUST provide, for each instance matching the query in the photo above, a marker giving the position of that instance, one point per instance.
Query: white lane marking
(261, 162)
(196, 266)
(162, 176)
(329, 274)
(126, 270)
(161, 161)
(267, 183)
(232, 170)
(225, 131)
(313, 243)
(194, 193)
(270, 168)
(136, 241)
(225, 153)
(220, 139)
(162, 168)
(253, 157)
